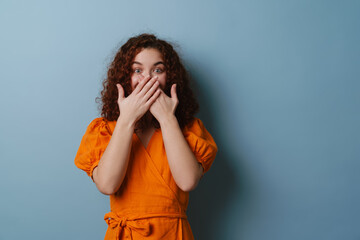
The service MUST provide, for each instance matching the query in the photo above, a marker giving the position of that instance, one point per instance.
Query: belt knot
(121, 223)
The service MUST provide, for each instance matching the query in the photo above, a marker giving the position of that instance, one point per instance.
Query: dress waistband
(129, 224)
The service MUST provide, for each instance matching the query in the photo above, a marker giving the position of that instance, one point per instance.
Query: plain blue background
(278, 84)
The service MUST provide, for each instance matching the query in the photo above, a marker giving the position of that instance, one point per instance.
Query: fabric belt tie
(115, 221)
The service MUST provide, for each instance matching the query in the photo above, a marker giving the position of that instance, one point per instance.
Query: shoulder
(100, 121)
(100, 125)
(196, 126)
(196, 130)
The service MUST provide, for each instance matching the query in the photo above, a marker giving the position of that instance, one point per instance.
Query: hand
(133, 107)
(164, 106)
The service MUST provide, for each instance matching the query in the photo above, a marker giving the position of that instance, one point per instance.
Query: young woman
(147, 151)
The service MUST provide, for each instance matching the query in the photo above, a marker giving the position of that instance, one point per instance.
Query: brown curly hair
(120, 71)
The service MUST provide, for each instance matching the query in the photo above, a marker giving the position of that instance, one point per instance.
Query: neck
(144, 123)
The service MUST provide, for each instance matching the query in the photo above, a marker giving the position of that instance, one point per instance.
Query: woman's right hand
(134, 106)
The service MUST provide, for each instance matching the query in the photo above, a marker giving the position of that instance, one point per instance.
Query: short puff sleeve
(93, 145)
(201, 143)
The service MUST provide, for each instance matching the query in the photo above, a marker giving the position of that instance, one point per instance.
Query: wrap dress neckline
(149, 142)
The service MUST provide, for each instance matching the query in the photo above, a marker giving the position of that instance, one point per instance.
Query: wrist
(126, 123)
(168, 120)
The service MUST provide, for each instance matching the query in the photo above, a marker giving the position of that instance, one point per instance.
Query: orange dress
(148, 204)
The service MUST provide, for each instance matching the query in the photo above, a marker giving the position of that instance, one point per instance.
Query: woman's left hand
(164, 107)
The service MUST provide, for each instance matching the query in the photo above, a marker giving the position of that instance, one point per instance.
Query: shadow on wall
(211, 202)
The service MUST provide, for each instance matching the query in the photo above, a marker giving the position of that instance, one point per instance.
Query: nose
(144, 75)
(148, 73)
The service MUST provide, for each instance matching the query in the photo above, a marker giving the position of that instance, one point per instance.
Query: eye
(158, 70)
(137, 70)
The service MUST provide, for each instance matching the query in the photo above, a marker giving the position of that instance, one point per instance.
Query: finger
(148, 85)
(152, 90)
(141, 84)
(163, 94)
(121, 93)
(173, 92)
(153, 97)
(139, 78)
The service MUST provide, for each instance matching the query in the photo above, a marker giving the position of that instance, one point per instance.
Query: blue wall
(278, 83)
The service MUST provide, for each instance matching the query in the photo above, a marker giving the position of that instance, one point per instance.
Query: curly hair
(120, 71)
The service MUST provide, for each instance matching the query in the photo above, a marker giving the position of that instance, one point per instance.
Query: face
(148, 62)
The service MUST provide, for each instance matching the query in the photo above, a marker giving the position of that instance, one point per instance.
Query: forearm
(110, 172)
(185, 168)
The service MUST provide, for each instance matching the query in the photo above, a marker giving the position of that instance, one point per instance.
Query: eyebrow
(160, 62)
